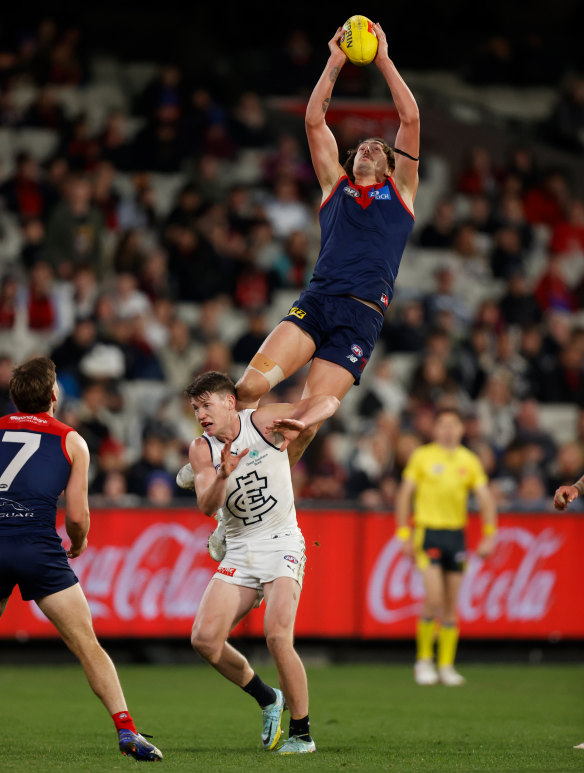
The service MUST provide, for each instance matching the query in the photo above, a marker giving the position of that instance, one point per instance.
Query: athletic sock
(263, 693)
(123, 721)
(425, 639)
(300, 728)
(447, 642)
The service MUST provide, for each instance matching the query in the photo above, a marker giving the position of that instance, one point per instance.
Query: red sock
(123, 721)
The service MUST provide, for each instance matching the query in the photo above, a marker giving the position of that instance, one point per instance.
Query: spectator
(383, 393)
(552, 292)
(24, 194)
(152, 460)
(75, 231)
(250, 341)
(181, 357)
(404, 329)
(518, 305)
(565, 127)
(440, 231)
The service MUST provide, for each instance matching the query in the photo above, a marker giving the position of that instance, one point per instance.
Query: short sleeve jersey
(34, 470)
(443, 480)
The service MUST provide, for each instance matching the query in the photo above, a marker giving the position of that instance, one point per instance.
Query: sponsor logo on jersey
(34, 419)
(351, 192)
(380, 193)
(357, 350)
(384, 299)
(462, 471)
(291, 559)
(11, 509)
(227, 570)
(253, 453)
(434, 553)
(296, 312)
(438, 469)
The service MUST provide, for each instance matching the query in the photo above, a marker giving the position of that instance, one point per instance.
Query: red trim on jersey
(338, 182)
(64, 446)
(397, 193)
(38, 422)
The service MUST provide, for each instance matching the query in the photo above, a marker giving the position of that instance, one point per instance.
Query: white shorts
(253, 564)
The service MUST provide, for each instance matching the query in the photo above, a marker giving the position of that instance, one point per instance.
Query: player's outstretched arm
(408, 135)
(565, 495)
(488, 510)
(76, 501)
(290, 419)
(211, 484)
(323, 145)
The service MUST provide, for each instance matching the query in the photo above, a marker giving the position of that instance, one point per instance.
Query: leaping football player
(366, 217)
(241, 468)
(39, 458)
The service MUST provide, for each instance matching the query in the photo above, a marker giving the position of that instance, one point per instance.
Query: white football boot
(185, 478)
(425, 672)
(580, 746)
(450, 677)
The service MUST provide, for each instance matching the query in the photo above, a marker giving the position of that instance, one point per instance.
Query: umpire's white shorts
(253, 564)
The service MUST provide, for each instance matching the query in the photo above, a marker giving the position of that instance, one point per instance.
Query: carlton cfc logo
(357, 350)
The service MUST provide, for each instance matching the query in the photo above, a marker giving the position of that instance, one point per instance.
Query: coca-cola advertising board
(145, 572)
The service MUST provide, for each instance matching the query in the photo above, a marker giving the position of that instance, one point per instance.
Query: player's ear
(230, 400)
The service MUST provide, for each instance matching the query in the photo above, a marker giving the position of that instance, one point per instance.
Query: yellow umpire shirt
(443, 479)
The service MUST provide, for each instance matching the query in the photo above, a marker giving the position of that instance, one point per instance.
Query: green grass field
(364, 718)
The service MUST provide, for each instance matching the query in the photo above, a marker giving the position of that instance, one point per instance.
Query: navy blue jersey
(364, 230)
(34, 470)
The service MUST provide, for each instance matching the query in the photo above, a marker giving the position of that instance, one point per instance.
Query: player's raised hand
(288, 428)
(382, 53)
(336, 52)
(229, 461)
(564, 495)
(74, 552)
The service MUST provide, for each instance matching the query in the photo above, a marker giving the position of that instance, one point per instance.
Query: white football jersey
(259, 501)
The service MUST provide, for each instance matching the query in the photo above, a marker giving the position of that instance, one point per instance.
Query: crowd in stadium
(155, 242)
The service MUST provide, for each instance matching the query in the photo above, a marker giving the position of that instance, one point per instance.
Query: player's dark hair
(389, 154)
(31, 385)
(210, 383)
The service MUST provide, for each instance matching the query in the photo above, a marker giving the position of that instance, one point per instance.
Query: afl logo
(357, 350)
(291, 559)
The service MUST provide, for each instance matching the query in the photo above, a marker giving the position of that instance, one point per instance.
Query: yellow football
(359, 41)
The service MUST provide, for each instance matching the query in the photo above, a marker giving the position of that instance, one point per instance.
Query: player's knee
(250, 387)
(279, 640)
(205, 646)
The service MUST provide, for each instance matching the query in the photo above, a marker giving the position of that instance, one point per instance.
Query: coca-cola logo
(162, 574)
(514, 584)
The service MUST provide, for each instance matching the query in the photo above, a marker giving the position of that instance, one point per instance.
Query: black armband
(407, 155)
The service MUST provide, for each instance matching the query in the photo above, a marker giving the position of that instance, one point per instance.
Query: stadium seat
(560, 420)
(40, 143)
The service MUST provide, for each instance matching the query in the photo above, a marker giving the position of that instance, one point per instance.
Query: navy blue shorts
(37, 563)
(343, 329)
(444, 547)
